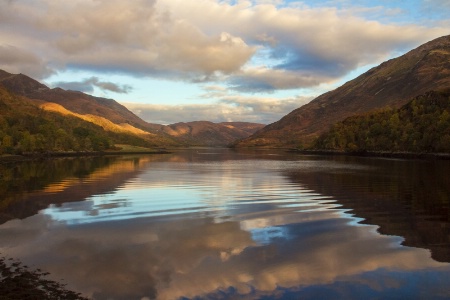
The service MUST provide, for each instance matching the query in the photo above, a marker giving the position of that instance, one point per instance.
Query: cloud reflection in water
(224, 228)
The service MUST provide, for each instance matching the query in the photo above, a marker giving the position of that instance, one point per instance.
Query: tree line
(421, 125)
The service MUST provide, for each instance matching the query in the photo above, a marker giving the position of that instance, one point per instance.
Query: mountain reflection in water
(212, 224)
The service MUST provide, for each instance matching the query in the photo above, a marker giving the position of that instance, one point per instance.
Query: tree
(7, 144)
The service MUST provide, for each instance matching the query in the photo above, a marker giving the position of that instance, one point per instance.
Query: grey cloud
(251, 85)
(109, 86)
(80, 86)
(11, 55)
(88, 85)
(17, 60)
(269, 80)
(305, 60)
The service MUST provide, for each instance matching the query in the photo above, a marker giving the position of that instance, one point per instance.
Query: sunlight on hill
(103, 122)
(440, 51)
(177, 131)
(230, 126)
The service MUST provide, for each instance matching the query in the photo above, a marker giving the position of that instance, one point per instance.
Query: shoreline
(383, 154)
(11, 158)
(48, 155)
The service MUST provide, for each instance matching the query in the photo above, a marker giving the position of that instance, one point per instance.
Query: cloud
(259, 248)
(16, 60)
(314, 44)
(193, 257)
(131, 37)
(226, 109)
(268, 80)
(88, 85)
(253, 46)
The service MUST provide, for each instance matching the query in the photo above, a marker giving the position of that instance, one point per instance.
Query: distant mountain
(204, 133)
(114, 117)
(393, 83)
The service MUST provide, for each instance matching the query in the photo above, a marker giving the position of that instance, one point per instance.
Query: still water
(221, 224)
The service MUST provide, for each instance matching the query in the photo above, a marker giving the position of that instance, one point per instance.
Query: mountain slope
(74, 101)
(393, 83)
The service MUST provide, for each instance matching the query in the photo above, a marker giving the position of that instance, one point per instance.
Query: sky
(174, 61)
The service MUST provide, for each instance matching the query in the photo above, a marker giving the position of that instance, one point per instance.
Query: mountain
(74, 101)
(204, 133)
(116, 118)
(107, 113)
(393, 84)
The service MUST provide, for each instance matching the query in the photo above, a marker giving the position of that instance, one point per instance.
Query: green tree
(7, 144)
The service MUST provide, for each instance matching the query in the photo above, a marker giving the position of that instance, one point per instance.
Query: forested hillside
(421, 125)
(24, 127)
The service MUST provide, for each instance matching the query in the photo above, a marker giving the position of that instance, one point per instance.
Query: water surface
(221, 224)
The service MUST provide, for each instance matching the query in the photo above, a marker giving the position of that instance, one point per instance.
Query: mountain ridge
(392, 83)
